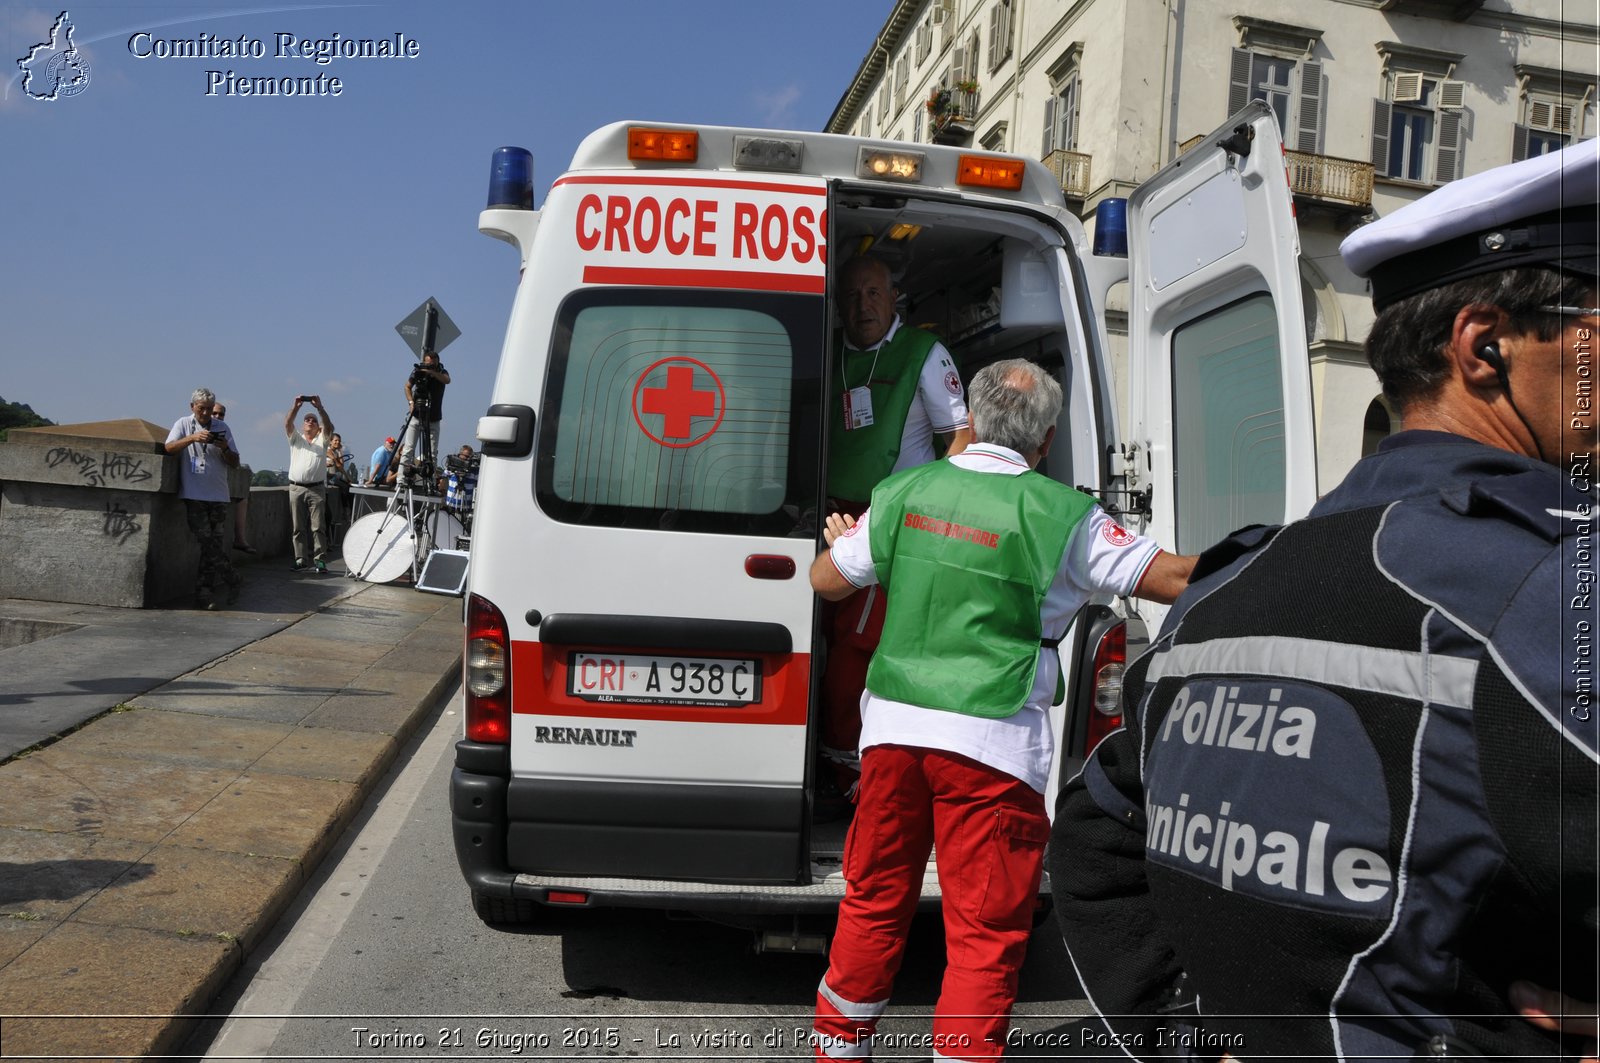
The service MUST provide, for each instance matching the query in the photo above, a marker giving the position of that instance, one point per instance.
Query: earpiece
(1490, 353)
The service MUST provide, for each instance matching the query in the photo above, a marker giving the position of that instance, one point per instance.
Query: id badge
(857, 408)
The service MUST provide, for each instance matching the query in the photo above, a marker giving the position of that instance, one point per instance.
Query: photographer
(463, 482)
(308, 459)
(425, 399)
(208, 452)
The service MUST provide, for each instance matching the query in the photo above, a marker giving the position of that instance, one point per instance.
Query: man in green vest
(896, 388)
(988, 562)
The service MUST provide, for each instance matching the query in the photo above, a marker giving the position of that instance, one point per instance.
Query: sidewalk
(215, 759)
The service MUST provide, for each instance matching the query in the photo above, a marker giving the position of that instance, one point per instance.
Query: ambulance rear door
(662, 684)
(1220, 384)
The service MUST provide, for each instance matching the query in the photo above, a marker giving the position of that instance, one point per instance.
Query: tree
(18, 415)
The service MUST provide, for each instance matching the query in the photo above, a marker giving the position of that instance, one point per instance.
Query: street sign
(428, 328)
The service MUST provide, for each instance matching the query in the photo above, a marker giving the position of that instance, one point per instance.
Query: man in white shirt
(988, 562)
(308, 509)
(208, 451)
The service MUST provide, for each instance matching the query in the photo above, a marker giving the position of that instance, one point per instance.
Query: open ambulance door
(1219, 381)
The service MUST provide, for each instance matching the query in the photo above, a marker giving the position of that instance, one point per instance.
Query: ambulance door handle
(769, 566)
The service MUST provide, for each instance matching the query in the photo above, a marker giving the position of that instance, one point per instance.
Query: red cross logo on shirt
(678, 400)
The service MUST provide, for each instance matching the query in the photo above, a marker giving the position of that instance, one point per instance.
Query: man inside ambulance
(895, 388)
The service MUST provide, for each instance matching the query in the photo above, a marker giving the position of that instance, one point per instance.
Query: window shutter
(1452, 95)
(995, 13)
(1048, 144)
(958, 63)
(1519, 142)
(1382, 112)
(1540, 114)
(1071, 120)
(1238, 81)
(1563, 118)
(1005, 28)
(866, 122)
(1309, 119)
(883, 97)
(1447, 163)
(1407, 88)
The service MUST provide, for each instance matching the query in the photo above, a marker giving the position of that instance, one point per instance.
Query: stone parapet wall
(90, 514)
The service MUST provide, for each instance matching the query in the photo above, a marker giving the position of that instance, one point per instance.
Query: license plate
(635, 679)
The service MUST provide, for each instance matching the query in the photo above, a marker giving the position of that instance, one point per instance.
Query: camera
(457, 464)
(301, 399)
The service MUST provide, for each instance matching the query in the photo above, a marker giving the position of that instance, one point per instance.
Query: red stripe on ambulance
(704, 278)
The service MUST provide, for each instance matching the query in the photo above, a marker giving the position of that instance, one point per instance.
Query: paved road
(386, 961)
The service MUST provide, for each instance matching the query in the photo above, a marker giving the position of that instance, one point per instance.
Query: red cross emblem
(690, 390)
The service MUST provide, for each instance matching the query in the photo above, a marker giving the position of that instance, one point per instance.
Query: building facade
(1379, 101)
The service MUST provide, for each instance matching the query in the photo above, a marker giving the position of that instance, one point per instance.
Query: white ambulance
(643, 649)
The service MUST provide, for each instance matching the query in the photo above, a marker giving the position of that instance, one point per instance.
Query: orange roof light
(662, 145)
(990, 171)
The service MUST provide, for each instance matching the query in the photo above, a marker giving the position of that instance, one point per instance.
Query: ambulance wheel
(503, 911)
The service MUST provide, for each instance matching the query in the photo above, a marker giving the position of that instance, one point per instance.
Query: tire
(503, 911)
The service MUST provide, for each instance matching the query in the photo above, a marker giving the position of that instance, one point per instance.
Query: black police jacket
(1356, 794)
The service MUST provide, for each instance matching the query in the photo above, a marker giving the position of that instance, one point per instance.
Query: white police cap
(1538, 212)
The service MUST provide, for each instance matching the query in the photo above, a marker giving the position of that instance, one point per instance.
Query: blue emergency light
(1111, 227)
(511, 179)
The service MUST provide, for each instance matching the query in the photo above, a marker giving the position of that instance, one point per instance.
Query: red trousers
(854, 626)
(989, 830)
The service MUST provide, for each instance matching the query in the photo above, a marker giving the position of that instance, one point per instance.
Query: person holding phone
(308, 507)
(208, 451)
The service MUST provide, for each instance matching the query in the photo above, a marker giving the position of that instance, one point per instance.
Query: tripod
(423, 458)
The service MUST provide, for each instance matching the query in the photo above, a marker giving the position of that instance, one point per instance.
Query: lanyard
(873, 369)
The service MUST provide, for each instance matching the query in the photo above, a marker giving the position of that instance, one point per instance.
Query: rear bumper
(512, 838)
(481, 825)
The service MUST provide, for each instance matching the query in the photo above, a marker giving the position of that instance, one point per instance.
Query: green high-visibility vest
(965, 559)
(860, 458)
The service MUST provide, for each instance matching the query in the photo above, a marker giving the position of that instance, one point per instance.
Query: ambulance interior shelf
(980, 291)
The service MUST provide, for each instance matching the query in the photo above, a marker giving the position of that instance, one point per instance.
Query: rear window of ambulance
(683, 410)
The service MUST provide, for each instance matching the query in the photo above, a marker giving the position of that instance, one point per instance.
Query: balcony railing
(1072, 171)
(1329, 179)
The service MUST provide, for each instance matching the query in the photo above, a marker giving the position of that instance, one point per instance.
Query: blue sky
(158, 239)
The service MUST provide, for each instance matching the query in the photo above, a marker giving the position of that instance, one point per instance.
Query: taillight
(488, 678)
(1110, 662)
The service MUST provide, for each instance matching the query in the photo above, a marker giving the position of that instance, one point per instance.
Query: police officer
(1353, 814)
(988, 562)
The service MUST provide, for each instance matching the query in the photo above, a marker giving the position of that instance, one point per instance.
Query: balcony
(1071, 169)
(1324, 180)
(952, 114)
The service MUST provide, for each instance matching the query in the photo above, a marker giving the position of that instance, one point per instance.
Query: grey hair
(202, 395)
(1406, 344)
(1014, 403)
